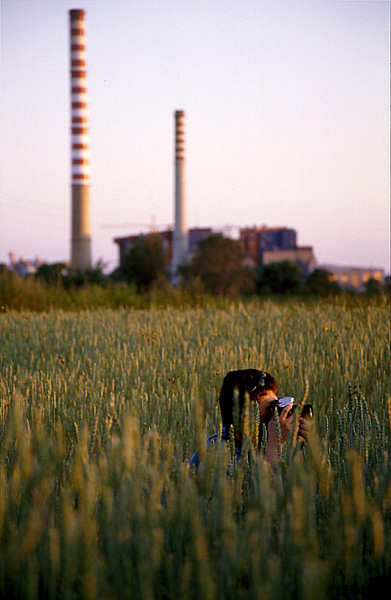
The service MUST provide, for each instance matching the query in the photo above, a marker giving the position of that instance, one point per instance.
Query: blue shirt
(195, 459)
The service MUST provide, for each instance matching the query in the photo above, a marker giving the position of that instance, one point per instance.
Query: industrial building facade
(195, 236)
(265, 245)
(261, 245)
(354, 278)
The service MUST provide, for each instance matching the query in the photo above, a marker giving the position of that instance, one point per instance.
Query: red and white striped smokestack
(181, 236)
(80, 170)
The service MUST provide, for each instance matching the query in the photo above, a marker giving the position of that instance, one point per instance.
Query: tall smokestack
(181, 235)
(81, 227)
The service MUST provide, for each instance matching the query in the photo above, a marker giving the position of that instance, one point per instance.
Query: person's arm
(272, 445)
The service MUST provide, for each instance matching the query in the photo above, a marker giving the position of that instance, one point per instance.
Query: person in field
(262, 388)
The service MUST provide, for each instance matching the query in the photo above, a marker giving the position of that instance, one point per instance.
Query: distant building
(196, 235)
(354, 278)
(23, 267)
(265, 245)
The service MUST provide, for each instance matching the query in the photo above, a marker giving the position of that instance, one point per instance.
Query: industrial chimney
(181, 236)
(81, 228)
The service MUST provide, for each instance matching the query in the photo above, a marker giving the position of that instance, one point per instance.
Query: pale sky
(287, 121)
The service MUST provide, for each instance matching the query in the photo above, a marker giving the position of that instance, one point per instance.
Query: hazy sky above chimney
(287, 121)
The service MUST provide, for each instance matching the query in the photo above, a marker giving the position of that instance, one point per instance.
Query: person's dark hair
(256, 383)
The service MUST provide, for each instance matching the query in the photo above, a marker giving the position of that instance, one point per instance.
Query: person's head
(261, 387)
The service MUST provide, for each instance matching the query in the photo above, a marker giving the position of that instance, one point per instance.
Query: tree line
(218, 267)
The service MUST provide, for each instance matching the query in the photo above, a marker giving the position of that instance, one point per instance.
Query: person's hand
(304, 430)
(272, 438)
(286, 421)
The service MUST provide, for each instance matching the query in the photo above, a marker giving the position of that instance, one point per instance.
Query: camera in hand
(306, 413)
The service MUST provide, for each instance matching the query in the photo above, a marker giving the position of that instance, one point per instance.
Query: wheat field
(101, 410)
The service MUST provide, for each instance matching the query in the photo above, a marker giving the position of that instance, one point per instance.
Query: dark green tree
(279, 278)
(4, 270)
(372, 287)
(145, 262)
(219, 264)
(320, 283)
(52, 273)
(93, 276)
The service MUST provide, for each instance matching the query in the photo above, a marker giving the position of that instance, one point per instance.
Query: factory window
(344, 278)
(377, 275)
(366, 276)
(355, 280)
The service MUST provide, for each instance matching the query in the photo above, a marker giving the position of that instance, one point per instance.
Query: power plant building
(354, 278)
(80, 160)
(265, 245)
(195, 236)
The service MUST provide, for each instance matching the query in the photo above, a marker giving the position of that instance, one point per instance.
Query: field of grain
(100, 411)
